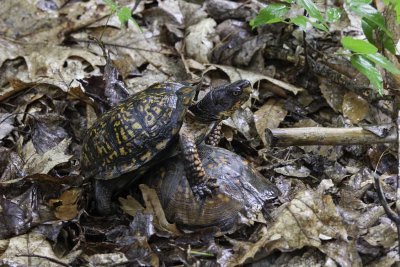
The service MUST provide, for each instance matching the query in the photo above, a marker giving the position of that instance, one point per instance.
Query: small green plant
(364, 55)
(124, 14)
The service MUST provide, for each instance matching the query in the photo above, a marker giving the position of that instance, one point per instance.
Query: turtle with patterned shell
(142, 130)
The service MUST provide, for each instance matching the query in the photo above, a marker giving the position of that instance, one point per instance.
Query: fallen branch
(331, 136)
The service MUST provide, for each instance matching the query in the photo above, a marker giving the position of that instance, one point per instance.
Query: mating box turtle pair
(142, 130)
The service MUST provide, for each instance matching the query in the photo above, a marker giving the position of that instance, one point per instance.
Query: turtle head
(221, 102)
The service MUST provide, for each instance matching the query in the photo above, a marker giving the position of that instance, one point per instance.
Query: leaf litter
(52, 89)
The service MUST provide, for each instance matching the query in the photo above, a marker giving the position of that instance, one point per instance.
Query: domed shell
(242, 191)
(135, 131)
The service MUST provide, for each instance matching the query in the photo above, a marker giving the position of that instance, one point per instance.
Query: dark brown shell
(135, 131)
(241, 194)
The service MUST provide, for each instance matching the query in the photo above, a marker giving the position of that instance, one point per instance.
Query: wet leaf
(6, 124)
(13, 219)
(294, 171)
(355, 107)
(33, 249)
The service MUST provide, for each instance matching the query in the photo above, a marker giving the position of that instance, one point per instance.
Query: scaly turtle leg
(200, 183)
(215, 135)
(103, 192)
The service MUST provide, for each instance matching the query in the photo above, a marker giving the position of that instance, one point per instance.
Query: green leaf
(112, 5)
(333, 14)
(320, 26)
(124, 14)
(289, 1)
(358, 46)
(382, 61)
(370, 14)
(311, 9)
(359, 1)
(364, 66)
(300, 21)
(368, 30)
(270, 14)
(397, 10)
(388, 43)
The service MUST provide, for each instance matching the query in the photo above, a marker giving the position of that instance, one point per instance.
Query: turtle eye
(237, 91)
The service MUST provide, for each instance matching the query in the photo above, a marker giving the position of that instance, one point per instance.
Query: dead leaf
(107, 259)
(293, 171)
(130, 205)
(66, 206)
(308, 220)
(198, 43)
(6, 124)
(36, 163)
(153, 206)
(237, 74)
(383, 234)
(270, 115)
(33, 250)
(355, 107)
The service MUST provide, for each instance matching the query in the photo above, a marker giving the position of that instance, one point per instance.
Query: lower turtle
(241, 194)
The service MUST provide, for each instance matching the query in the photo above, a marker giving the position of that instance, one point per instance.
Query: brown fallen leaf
(153, 206)
(355, 107)
(237, 74)
(130, 205)
(43, 163)
(66, 206)
(310, 219)
(270, 115)
(198, 42)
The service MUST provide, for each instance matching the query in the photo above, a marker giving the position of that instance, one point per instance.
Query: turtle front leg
(103, 192)
(215, 135)
(200, 183)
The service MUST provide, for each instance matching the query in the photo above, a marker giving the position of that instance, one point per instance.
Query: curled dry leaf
(270, 115)
(198, 43)
(130, 205)
(66, 206)
(153, 206)
(237, 74)
(37, 163)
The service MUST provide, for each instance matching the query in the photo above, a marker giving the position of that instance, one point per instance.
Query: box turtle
(139, 132)
(241, 194)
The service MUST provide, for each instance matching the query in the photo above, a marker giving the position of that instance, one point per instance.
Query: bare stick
(327, 136)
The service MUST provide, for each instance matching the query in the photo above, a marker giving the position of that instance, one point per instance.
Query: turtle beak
(248, 90)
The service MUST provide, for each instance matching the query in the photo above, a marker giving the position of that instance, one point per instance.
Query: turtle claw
(205, 189)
